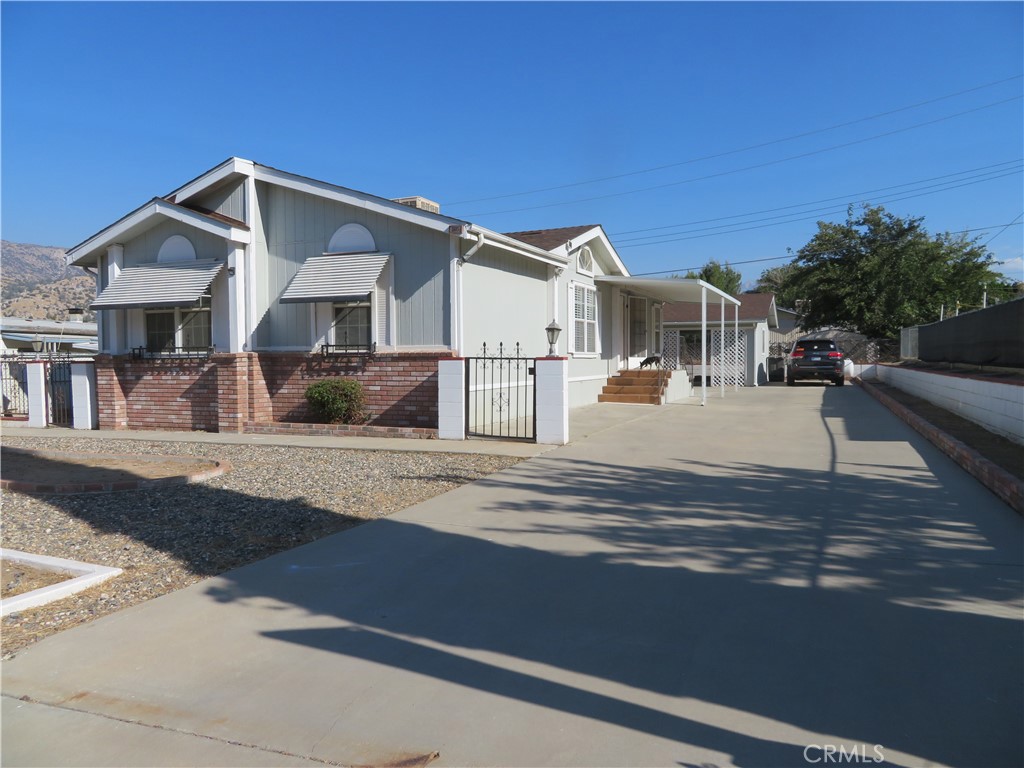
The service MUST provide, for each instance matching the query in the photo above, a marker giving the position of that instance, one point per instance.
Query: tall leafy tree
(722, 276)
(779, 280)
(876, 273)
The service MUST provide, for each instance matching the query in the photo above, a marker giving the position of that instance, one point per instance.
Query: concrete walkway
(786, 571)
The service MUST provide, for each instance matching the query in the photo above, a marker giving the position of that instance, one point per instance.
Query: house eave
(518, 247)
(87, 253)
(435, 221)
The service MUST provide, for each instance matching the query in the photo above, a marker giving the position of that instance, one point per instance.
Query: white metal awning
(335, 277)
(174, 284)
(684, 290)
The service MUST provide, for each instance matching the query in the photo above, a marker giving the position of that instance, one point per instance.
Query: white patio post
(237, 331)
(721, 348)
(703, 345)
(85, 414)
(552, 381)
(451, 399)
(35, 373)
(736, 341)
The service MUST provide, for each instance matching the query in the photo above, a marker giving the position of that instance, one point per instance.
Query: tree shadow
(715, 605)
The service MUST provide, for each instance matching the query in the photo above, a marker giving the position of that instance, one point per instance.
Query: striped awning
(175, 284)
(335, 277)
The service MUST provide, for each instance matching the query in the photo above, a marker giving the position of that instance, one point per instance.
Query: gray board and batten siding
(227, 200)
(295, 226)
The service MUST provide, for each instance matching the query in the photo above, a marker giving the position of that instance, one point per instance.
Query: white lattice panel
(728, 358)
(670, 350)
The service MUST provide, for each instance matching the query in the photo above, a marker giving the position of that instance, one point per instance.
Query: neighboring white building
(757, 318)
(69, 336)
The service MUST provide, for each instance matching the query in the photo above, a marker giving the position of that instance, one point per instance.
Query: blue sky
(746, 111)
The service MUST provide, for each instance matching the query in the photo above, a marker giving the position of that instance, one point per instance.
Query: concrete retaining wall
(997, 406)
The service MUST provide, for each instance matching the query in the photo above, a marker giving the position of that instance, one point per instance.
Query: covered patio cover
(673, 289)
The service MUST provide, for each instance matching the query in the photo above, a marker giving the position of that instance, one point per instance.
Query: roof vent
(75, 314)
(419, 202)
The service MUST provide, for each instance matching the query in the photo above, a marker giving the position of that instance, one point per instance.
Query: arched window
(585, 261)
(176, 248)
(352, 238)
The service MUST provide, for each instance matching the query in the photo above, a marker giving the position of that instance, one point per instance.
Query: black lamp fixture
(552, 331)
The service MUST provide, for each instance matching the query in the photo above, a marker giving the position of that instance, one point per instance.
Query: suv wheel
(839, 381)
(790, 380)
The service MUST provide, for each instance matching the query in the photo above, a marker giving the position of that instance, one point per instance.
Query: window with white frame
(352, 325)
(585, 261)
(584, 320)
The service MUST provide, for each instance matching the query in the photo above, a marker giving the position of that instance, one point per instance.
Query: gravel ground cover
(273, 499)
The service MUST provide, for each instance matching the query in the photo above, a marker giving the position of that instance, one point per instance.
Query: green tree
(876, 273)
(779, 280)
(722, 276)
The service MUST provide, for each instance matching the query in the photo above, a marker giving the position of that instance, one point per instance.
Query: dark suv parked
(815, 359)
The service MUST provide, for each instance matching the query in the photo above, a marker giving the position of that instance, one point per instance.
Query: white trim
(518, 247)
(579, 256)
(597, 377)
(212, 177)
(155, 207)
(597, 233)
(435, 221)
(572, 349)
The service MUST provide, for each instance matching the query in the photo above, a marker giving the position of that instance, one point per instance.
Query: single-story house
(220, 302)
(757, 318)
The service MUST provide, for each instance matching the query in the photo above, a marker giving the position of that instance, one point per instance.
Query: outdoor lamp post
(37, 344)
(552, 331)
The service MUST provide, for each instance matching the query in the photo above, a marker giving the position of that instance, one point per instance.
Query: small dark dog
(652, 361)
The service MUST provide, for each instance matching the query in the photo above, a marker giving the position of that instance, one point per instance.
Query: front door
(637, 329)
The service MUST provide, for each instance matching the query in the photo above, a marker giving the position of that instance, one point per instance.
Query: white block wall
(997, 407)
(451, 399)
(552, 401)
(85, 414)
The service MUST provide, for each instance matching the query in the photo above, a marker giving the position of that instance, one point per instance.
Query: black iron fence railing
(142, 353)
(330, 350)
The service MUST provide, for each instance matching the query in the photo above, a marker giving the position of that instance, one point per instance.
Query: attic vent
(419, 202)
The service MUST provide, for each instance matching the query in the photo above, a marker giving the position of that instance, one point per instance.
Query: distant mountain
(36, 284)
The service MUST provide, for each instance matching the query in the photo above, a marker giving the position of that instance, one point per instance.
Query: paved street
(751, 583)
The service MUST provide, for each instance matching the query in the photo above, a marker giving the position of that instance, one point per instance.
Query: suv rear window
(816, 345)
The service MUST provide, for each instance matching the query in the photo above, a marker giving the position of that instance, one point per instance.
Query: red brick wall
(228, 392)
(174, 394)
(400, 387)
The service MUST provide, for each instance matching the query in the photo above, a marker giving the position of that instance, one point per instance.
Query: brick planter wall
(253, 391)
(174, 394)
(400, 387)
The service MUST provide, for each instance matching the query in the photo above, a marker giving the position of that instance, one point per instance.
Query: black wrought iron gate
(501, 396)
(58, 381)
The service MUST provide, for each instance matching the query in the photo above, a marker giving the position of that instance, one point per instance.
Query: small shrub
(337, 401)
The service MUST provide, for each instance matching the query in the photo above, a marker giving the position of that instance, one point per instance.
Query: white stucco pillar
(84, 411)
(38, 402)
(451, 399)
(552, 381)
(237, 331)
(110, 322)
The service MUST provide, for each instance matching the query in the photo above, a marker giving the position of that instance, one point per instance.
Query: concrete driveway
(785, 572)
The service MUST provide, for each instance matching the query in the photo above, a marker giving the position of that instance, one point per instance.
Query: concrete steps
(645, 387)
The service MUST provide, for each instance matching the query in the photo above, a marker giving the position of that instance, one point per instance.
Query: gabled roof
(753, 307)
(142, 218)
(549, 239)
(562, 240)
